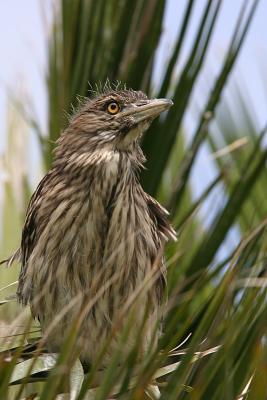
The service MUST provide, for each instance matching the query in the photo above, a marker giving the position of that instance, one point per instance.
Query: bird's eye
(113, 108)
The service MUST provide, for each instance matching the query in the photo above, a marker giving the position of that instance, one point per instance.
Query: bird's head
(117, 118)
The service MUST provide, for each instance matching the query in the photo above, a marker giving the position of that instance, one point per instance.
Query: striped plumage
(92, 235)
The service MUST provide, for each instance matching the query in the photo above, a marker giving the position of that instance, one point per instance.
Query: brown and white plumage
(90, 225)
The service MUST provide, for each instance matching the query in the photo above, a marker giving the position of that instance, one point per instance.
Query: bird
(92, 245)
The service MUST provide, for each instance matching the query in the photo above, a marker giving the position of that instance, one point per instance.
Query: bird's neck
(101, 168)
(74, 154)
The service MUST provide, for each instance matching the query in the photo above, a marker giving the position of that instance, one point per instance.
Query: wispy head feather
(99, 88)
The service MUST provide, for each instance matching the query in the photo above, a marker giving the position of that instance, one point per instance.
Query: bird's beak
(147, 111)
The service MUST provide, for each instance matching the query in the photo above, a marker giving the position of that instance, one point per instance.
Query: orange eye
(113, 108)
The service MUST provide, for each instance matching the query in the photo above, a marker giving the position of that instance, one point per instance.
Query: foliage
(217, 298)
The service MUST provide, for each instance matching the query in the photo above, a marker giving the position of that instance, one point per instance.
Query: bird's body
(92, 236)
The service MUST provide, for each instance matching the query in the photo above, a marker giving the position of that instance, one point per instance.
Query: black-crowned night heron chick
(92, 236)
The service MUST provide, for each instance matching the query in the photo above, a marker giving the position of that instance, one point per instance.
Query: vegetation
(217, 307)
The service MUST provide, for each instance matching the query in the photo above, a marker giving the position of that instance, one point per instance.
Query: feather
(159, 215)
(15, 257)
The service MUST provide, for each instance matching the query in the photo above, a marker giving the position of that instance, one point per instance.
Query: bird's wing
(160, 217)
(165, 232)
(29, 232)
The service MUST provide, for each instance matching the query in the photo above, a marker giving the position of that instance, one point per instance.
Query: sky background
(24, 35)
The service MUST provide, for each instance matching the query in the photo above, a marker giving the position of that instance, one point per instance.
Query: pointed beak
(148, 111)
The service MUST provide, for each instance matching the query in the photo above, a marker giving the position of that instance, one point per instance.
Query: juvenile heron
(92, 236)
